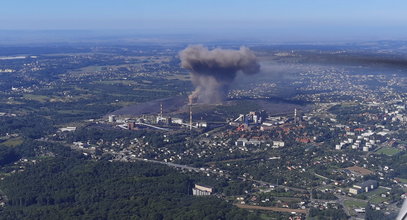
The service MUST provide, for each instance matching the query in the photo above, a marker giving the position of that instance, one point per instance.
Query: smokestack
(161, 110)
(295, 115)
(213, 71)
(190, 117)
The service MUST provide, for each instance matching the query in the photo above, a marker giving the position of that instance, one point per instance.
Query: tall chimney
(190, 117)
(161, 110)
(295, 115)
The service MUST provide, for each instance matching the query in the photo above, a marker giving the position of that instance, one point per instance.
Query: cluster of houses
(257, 142)
(365, 141)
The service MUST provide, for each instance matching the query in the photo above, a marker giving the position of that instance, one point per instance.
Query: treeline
(397, 162)
(32, 148)
(331, 213)
(77, 189)
(7, 155)
(31, 126)
(94, 134)
(316, 194)
(372, 214)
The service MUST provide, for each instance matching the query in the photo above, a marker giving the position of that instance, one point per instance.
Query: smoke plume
(214, 70)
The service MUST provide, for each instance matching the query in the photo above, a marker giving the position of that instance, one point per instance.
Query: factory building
(163, 120)
(112, 118)
(251, 118)
(366, 186)
(131, 126)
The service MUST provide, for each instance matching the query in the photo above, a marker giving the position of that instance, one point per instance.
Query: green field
(273, 216)
(389, 151)
(402, 180)
(90, 69)
(353, 204)
(72, 112)
(38, 98)
(12, 142)
(377, 199)
(181, 77)
(375, 195)
(115, 82)
(403, 142)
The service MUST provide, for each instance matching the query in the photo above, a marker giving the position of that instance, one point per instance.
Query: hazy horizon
(271, 21)
(15, 37)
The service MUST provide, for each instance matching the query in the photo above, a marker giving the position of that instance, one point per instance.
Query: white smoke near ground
(213, 71)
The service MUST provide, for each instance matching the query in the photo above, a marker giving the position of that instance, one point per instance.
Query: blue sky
(346, 18)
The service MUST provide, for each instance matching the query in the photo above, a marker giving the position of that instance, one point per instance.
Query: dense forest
(61, 188)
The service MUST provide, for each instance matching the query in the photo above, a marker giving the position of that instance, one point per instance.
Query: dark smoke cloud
(214, 70)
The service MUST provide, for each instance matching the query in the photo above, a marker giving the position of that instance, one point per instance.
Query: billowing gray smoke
(214, 70)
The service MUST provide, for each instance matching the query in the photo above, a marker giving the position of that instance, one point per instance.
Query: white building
(200, 190)
(278, 144)
(68, 129)
(112, 118)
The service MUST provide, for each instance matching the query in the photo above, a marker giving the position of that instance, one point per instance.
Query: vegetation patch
(389, 151)
(12, 142)
(38, 98)
(76, 189)
(353, 204)
(375, 196)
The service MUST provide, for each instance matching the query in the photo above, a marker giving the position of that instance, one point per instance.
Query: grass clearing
(265, 216)
(151, 90)
(402, 180)
(180, 77)
(375, 192)
(377, 199)
(115, 82)
(38, 98)
(389, 151)
(72, 112)
(353, 204)
(12, 142)
(375, 195)
(90, 69)
(123, 104)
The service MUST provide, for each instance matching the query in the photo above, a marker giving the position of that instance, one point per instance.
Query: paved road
(342, 199)
(185, 167)
(273, 184)
(276, 209)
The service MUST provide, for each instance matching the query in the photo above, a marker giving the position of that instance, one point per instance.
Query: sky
(278, 19)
